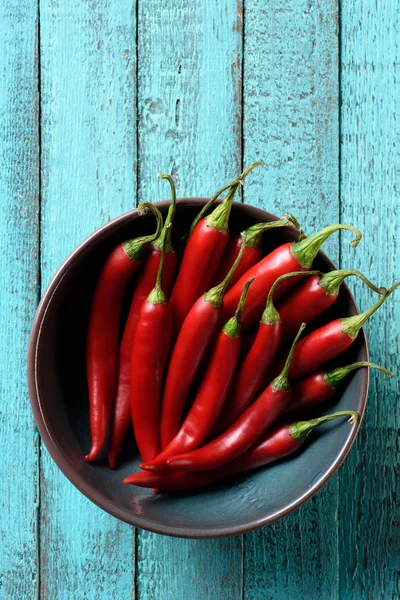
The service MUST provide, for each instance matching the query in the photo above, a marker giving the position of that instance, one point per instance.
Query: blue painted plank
(369, 516)
(18, 284)
(291, 124)
(88, 176)
(189, 107)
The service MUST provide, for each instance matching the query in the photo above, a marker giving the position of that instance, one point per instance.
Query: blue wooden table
(96, 96)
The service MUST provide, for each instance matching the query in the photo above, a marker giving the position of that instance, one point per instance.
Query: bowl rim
(57, 453)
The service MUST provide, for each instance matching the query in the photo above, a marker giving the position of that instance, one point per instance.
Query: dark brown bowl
(58, 392)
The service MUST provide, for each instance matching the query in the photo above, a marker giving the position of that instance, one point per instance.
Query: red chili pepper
(197, 332)
(212, 391)
(253, 251)
(257, 361)
(202, 254)
(330, 340)
(284, 440)
(292, 256)
(149, 355)
(145, 282)
(316, 389)
(246, 430)
(313, 298)
(104, 321)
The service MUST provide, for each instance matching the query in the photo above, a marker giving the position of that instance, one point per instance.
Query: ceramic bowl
(58, 392)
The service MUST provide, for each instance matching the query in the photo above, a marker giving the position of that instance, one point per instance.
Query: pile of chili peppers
(219, 361)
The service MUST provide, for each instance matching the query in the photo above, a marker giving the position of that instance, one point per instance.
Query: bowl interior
(60, 402)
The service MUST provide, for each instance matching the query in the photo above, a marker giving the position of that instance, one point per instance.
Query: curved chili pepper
(202, 254)
(319, 387)
(195, 336)
(212, 391)
(149, 355)
(253, 251)
(104, 321)
(284, 440)
(257, 361)
(292, 256)
(330, 340)
(314, 297)
(145, 282)
(246, 430)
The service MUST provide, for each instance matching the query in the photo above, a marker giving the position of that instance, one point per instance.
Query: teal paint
(291, 124)
(88, 176)
(189, 93)
(18, 288)
(344, 543)
(369, 538)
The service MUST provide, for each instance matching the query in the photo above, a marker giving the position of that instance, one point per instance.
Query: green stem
(167, 231)
(281, 383)
(332, 281)
(157, 295)
(136, 246)
(306, 250)
(352, 325)
(334, 377)
(300, 430)
(238, 181)
(219, 218)
(255, 232)
(233, 326)
(216, 294)
(270, 315)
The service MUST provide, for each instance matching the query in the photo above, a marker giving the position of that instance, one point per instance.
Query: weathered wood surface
(189, 103)
(19, 441)
(291, 100)
(88, 176)
(128, 89)
(369, 536)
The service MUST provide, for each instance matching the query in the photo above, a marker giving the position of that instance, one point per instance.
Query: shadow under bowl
(58, 392)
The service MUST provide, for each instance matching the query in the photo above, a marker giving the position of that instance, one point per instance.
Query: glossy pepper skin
(313, 392)
(121, 418)
(212, 392)
(150, 350)
(201, 256)
(257, 360)
(253, 250)
(195, 336)
(102, 336)
(294, 256)
(282, 441)
(329, 341)
(245, 431)
(312, 298)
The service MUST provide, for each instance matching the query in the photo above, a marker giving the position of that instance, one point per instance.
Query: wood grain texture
(370, 185)
(88, 176)
(189, 108)
(18, 289)
(291, 124)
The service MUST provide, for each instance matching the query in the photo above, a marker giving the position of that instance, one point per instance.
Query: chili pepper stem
(270, 315)
(352, 325)
(255, 232)
(219, 218)
(300, 430)
(306, 250)
(206, 207)
(167, 231)
(157, 295)
(332, 281)
(281, 383)
(135, 247)
(216, 294)
(334, 377)
(232, 327)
